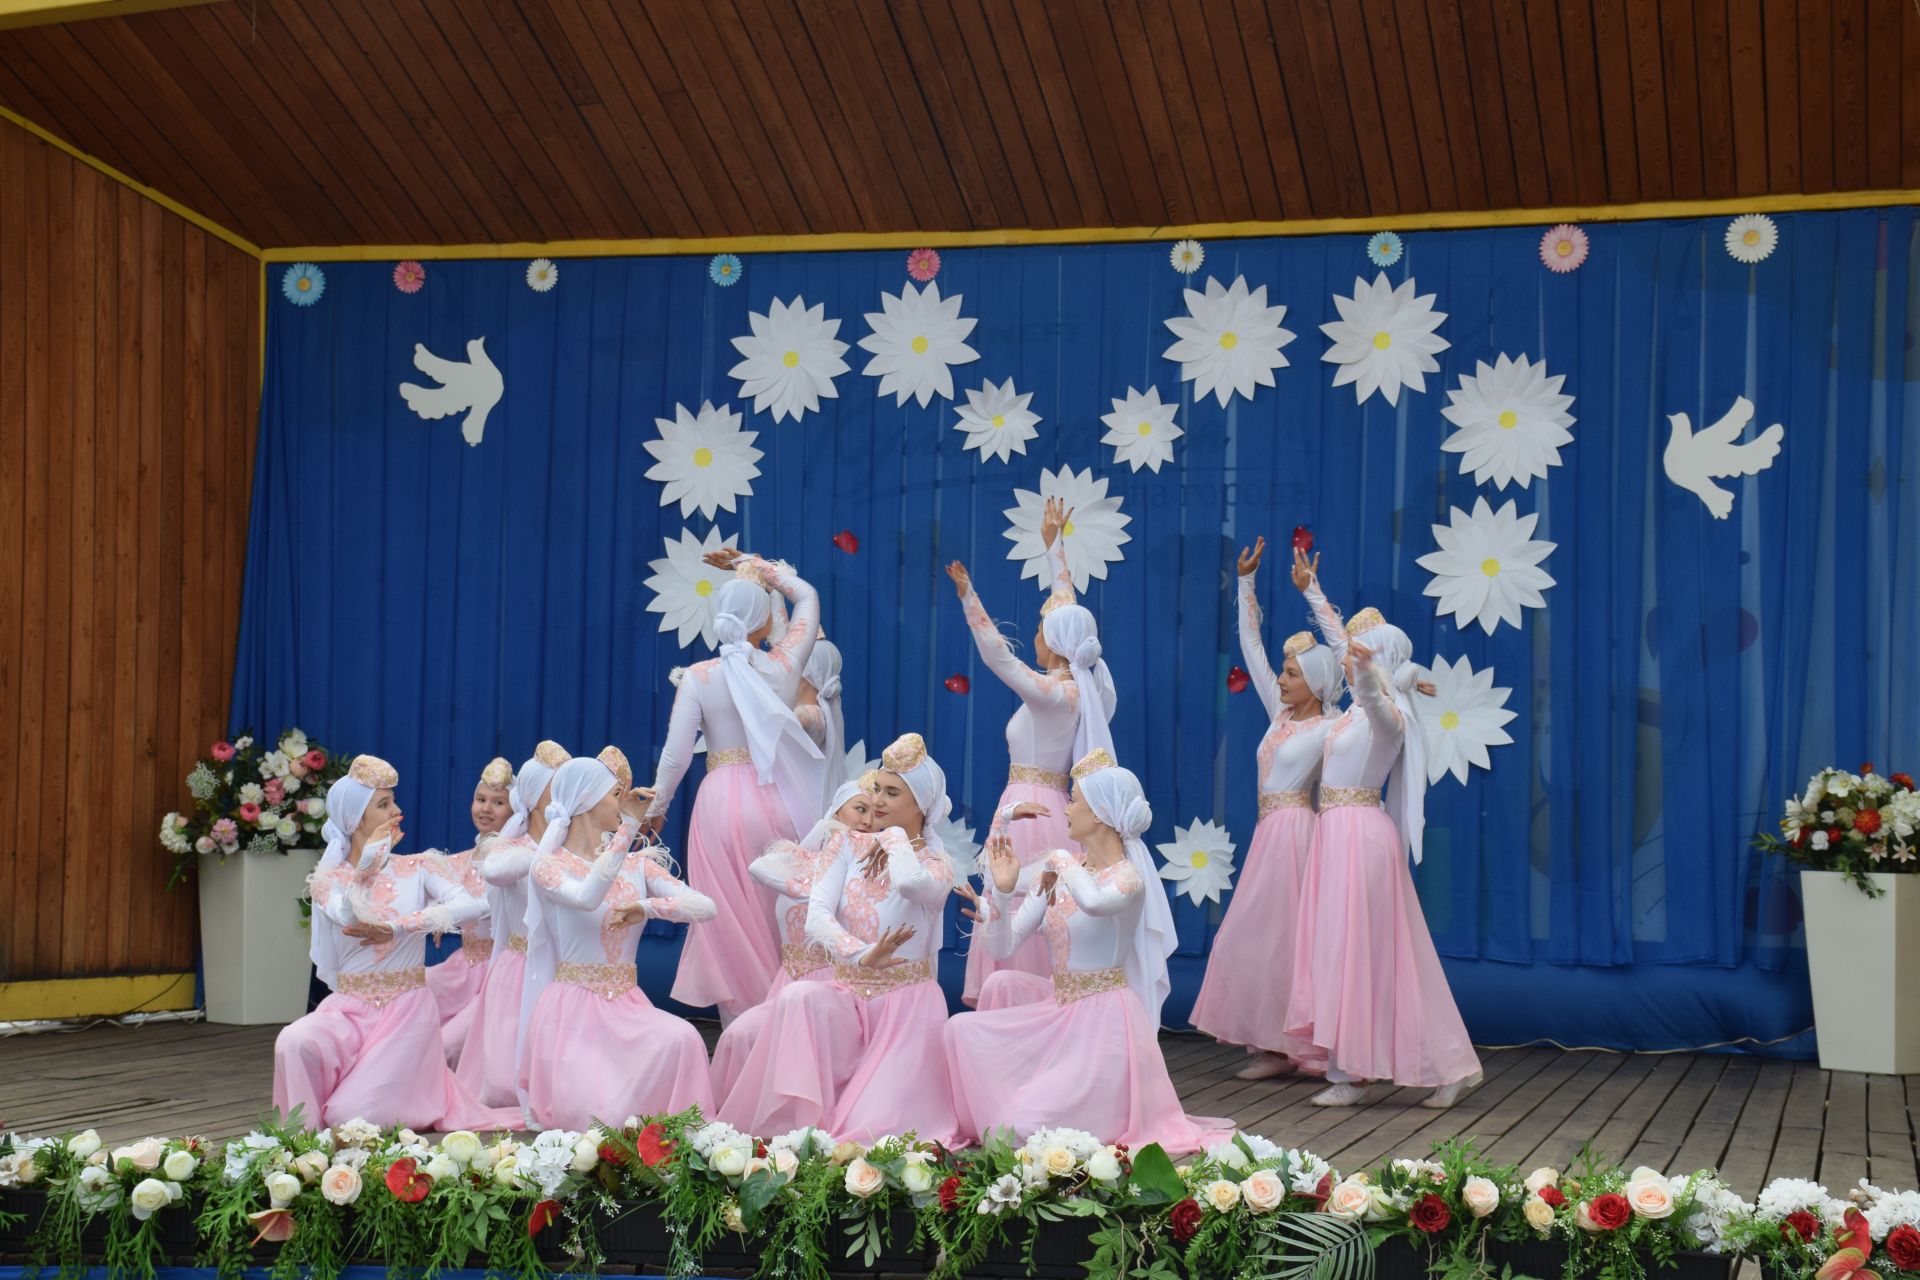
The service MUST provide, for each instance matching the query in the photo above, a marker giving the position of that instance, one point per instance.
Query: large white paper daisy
(1512, 421)
(705, 460)
(1199, 861)
(1094, 535)
(1230, 340)
(857, 764)
(1462, 718)
(962, 849)
(1488, 565)
(1141, 429)
(792, 358)
(997, 420)
(1751, 237)
(683, 585)
(1384, 339)
(917, 338)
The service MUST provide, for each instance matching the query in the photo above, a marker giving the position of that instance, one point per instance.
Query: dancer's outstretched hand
(1427, 688)
(1053, 519)
(1028, 809)
(370, 935)
(1305, 571)
(873, 861)
(962, 582)
(722, 557)
(1002, 863)
(623, 917)
(634, 803)
(1250, 557)
(1362, 655)
(880, 956)
(965, 891)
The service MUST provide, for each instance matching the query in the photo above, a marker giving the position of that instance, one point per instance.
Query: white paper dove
(474, 387)
(1694, 460)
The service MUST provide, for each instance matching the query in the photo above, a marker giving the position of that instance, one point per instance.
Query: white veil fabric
(1072, 632)
(1322, 671)
(1116, 798)
(816, 839)
(1406, 798)
(347, 801)
(823, 673)
(782, 752)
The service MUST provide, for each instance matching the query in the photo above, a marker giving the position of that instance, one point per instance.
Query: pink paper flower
(1563, 248)
(923, 264)
(408, 276)
(222, 751)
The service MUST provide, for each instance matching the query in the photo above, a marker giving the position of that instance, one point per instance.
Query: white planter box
(252, 945)
(1864, 957)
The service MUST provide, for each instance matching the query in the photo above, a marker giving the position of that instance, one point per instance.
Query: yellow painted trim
(1097, 235)
(95, 997)
(171, 205)
(39, 13)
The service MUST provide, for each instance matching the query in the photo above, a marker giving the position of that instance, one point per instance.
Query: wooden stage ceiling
(335, 122)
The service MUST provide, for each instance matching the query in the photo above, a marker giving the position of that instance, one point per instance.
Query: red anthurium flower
(406, 1181)
(1320, 1194)
(275, 1224)
(1849, 1261)
(543, 1213)
(653, 1146)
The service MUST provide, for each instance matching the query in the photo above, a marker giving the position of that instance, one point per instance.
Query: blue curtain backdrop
(438, 604)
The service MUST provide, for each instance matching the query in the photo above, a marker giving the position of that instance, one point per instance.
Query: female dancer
(1063, 714)
(762, 1085)
(1090, 1057)
(372, 1048)
(818, 709)
(489, 1062)
(1368, 991)
(762, 783)
(456, 981)
(595, 1045)
(1243, 999)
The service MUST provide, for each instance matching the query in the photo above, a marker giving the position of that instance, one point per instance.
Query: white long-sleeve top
(1364, 741)
(847, 912)
(789, 869)
(578, 897)
(702, 703)
(1040, 732)
(1088, 918)
(504, 863)
(1290, 750)
(414, 896)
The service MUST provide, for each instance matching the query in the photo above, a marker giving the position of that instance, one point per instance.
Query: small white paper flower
(1187, 255)
(683, 585)
(1462, 718)
(1512, 421)
(1751, 237)
(1199, 861)
(1141, 429)
(792, 358)
(1384, 339)
(1229, 340)
(705, 460)
(997, 421)
(1488, 565)
(962, 849)
(916, 339)
(1094, 534)
(542, 275)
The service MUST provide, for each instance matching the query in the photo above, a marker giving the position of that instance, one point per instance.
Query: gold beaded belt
(382, 988)
(1033, 775)
(1349, 798)
(476, 950)
(609, 980)
(517, 942)
(732, 755)
(1078, 984)
(868, 983)
(1275, 801)
(803, 959)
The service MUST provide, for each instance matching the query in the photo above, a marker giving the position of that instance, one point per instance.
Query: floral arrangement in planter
(1797, 1230)
(1613, 1222)
(1854, 823)
(121, 1193)
(252, 798)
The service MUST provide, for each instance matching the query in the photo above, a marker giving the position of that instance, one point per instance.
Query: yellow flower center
(1066, 530)
(1752, 236)
(1228, 341)
(1199, 860)
(999, 419)
(1509, 419)
(1490, 567)
(919, 346)
(303, 284)
(1382, 340)
(703, 457)
(1146, 428)
(791, 359)
(1563, 248)
(726, 269)
(703, 588)
(1449, 719)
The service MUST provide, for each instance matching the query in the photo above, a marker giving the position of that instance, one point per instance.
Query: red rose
(950, 1194)
(654, 1149)
(1802, 1224)
(1902, 780)
(1903, 1246)
(543, 1213)
(1799, 839)
(406, 1181)
(1833, 836)
(315, 760)
(1553, 1196)
(1185, 1220)
(1430, 1214)
(1867, 821)
(1609, 1212)
(223, 751)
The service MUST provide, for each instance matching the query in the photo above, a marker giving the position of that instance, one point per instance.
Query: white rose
(287, 829)
(917, 1179)
(289, 784)
(315, 807)
(1350, 1200)
(484, 1160)
(82, 1145)
(340, 1184)
(310, 1165)
(1104, 1166)
(1382, 1206)
(282, 1190)
(1058, 1161)
(586, 1154)
(440, 1167)
(179, 1165)
(1263, 1190)
(1233, 1157)
(785, 1163)
(1649, 1194)
(148, 1197)
(461, 1145)
(1542, 1178)
(1482, 1197)
(98, 1160)
(1583, 1220)
(863, 1179)
(506, 1171)
(1539, 1214)
(1223, 1195)
(729, 1162)
(204, 845)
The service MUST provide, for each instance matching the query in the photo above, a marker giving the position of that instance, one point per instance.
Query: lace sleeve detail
(1254, 653)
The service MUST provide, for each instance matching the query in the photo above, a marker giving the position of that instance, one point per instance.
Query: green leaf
(1154, 1179)
(756, 1193)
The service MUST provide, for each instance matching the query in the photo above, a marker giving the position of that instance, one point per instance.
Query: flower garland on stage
(801, 1204)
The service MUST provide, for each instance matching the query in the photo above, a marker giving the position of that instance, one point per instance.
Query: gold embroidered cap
(498, 774)
(870, 782)
(372, 771)
(1298, 643)
(1364, 621)
(1059, 598)
(616, 760)
(1093, 762)
(907, 751)
(551, 754)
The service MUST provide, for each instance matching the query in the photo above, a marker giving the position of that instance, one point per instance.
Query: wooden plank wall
(128, 387)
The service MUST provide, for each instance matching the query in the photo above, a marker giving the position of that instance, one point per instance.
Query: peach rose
(1481, 1196)
(1263, 1190)
(1223, 1195)
(863, 1180)
(1350, 1200)
(1539, 1214)
(340, 1185)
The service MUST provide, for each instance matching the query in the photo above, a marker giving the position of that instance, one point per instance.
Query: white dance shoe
(1448, 1094)
(1343, 1095)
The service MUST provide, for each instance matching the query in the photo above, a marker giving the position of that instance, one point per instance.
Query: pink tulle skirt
(730, 960)
(590, 1058)
(1368, 990)
(1032, 838)
(348, 1059)
(782, 1064)
(1094, 1064)
(1243, 999)
(487, 1064)
(900, 1081)
(1011, 987)
(455, 983)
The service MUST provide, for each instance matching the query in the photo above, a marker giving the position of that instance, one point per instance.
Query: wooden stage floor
(1755, 1119)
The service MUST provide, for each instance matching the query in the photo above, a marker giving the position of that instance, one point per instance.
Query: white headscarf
(1116, 798)
(1406, 799)
(774, 734)
(1323, 675)
(928, 783)
(823, 673)
(527, 786)
(577, 787)
(816, 839)
(347, 801)
(1071, 631)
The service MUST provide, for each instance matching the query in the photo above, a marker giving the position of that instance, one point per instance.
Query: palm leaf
(1314, 1246)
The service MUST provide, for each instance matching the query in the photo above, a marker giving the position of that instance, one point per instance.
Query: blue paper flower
(724, 270)
(1384, 249)
(303, 284)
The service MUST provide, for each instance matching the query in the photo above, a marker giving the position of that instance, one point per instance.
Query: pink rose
(274, 791)
(249, 813)
(315, 760)
(223, 751)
